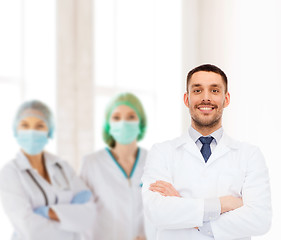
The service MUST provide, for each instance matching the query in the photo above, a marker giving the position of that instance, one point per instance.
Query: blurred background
(76, 54)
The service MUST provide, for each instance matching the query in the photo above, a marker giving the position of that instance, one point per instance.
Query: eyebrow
(132, 112)
(199, 85)
(216, 85)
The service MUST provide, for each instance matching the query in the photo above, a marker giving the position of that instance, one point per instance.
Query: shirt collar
(23, 163)
(188, 141)
(195, 135)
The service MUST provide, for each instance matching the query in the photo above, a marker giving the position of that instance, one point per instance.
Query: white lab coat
(234, 168)
(20, 196)
(118, 199)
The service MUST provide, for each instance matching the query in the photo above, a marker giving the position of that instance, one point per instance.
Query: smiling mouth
(206, 108)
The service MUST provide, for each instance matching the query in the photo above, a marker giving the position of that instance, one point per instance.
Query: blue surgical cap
(35, 108)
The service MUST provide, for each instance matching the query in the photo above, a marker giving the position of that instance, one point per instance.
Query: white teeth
(206, 108)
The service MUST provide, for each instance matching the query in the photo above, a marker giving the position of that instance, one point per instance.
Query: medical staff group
(202, 185)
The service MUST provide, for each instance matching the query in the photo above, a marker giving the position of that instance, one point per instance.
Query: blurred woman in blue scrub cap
(114, 173)
(40, 193)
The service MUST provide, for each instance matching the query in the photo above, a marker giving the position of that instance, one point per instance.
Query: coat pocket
(230, 182)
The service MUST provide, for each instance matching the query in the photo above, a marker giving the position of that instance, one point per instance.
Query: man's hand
(164, 188)
(140, 238)
(229, 203)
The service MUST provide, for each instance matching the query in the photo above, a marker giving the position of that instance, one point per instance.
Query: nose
(206, 96)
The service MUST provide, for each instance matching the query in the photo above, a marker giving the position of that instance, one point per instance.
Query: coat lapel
(190, 146)
(225, 145)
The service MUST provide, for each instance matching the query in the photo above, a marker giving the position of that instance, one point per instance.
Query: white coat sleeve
(167, 212)
(254, 218)
(17, 206)
(75, 217)
(85, 174)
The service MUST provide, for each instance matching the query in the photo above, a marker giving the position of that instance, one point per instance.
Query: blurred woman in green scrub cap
(114, 173)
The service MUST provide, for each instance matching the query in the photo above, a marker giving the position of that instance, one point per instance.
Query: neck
(36, 161)
(206, 130)
(125, 152)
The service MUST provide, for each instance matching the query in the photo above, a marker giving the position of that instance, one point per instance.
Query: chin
(206, 123)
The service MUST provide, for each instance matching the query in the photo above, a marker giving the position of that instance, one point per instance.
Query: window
(138, 49)
(27, 69)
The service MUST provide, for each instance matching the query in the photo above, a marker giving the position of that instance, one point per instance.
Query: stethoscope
(41, 188)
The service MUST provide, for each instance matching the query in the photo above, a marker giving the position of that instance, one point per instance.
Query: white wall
(27, 69)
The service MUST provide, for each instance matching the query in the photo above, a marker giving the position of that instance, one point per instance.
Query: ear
(185, 99)
(227, 100)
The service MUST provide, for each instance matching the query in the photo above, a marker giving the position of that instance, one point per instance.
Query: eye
(197, 91)
(24, 125)
(40, 126)
(132, 117)
(215, 90)
(115, 118)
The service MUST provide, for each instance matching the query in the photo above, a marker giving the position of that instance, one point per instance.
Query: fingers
(164, 188)
(170, 190)
(139, 238)
(163, 183)
(157, 189)
(241, 202)
(163, 191)
(229, 203)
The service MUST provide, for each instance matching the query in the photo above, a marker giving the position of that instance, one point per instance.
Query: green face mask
(124, 132)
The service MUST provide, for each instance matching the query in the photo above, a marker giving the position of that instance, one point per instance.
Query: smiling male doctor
(206, 185)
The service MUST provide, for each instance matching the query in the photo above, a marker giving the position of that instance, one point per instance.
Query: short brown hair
(207, 68)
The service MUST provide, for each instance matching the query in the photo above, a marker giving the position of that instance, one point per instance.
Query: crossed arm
(228, 203)
(81, 197)
(237, 218)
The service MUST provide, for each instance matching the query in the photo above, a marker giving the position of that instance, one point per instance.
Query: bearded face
(206, 99)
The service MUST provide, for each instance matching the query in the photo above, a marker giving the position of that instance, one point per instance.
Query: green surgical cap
(131, 101)
(37, 109)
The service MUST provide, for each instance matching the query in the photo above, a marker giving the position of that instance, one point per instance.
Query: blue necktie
(206, 149)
